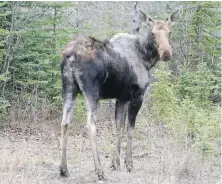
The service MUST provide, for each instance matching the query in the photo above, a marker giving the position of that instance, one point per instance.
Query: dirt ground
(32, 155)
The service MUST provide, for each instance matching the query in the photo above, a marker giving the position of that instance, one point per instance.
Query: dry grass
(32, 156)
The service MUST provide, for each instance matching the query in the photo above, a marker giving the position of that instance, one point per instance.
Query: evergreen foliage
(33, 34)
(183, 103)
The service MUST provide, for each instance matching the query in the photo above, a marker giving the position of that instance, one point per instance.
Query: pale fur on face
(161, 30)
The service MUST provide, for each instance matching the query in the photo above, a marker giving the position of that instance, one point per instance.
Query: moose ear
(142, 16)
(173, 16)
(150, 19)
(146, 18)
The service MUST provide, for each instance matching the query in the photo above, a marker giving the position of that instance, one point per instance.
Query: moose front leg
(133, 109)
(120, 115)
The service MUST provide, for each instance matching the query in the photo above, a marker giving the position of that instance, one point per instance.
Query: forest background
(185, 94)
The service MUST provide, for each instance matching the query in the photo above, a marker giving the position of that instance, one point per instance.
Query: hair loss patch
(84, 48)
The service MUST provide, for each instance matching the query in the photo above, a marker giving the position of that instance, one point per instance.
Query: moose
(117, 68)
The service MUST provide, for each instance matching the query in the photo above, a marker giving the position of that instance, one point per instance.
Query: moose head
(160, 32)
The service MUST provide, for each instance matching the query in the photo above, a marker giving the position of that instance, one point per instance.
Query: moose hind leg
(69, 92)
(66, 120)
(120, 115)
(91, 125)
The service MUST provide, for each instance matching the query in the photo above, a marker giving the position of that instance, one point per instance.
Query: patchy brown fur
(83, 47)
(119, 69)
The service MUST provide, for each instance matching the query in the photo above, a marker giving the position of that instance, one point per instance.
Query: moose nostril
(166, 53)
(166, 56)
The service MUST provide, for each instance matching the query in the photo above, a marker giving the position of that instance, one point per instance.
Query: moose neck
(149, 52)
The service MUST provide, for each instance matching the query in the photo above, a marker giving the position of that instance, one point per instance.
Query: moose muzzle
(165, 52)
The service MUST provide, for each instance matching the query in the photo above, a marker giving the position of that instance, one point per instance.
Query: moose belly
(120, 88)
(113, 90)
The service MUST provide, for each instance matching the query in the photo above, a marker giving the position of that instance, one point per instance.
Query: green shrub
(198, 85)
(4, 113)
(202, 124)
(163, 95)
(183, 104)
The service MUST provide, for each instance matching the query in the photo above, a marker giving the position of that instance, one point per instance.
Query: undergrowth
(183, 104)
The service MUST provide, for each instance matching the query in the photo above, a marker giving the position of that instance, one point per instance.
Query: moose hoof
(100, 174)
(115, 164)
(63, 171)
(129, 165)
(129, 169)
